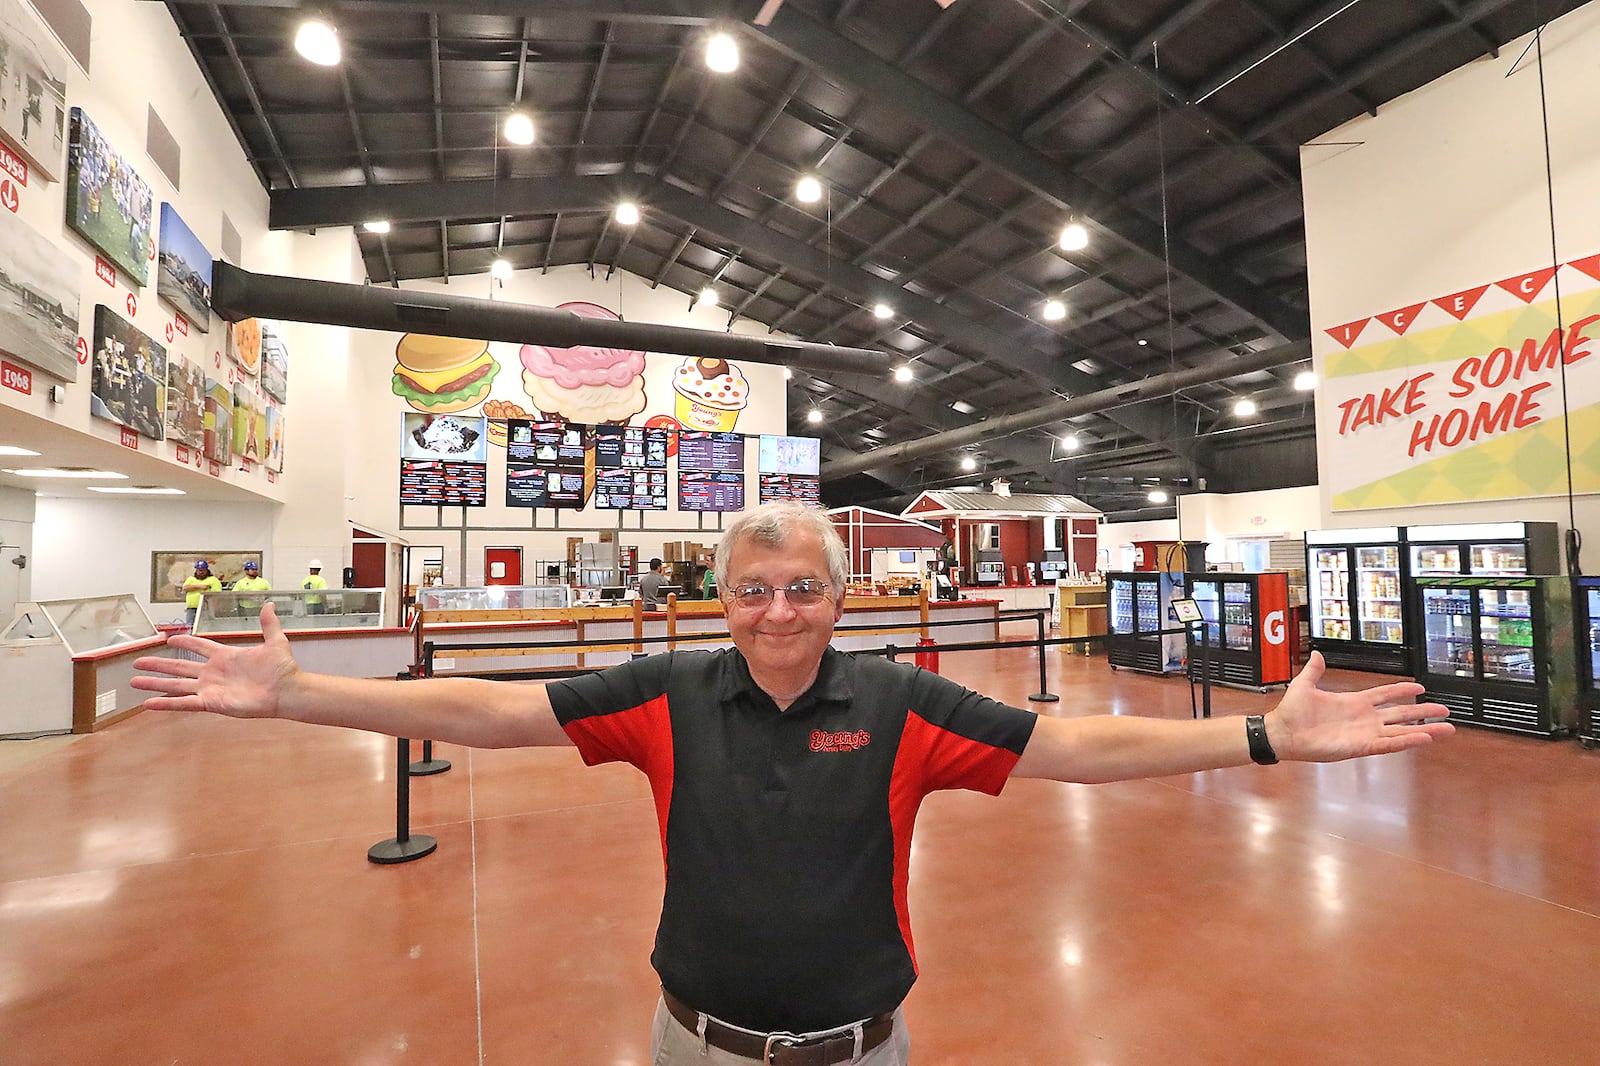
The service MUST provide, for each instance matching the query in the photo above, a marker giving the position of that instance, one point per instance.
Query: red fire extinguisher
(928, 655)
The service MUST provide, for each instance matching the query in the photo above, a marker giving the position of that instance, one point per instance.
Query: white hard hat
(315, 564)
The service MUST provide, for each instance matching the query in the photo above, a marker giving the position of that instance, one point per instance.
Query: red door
(502, 566)
(367, 559)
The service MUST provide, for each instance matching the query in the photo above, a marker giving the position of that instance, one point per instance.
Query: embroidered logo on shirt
(849, 740)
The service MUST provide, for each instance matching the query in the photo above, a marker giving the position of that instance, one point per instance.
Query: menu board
(443, 460)
(800, 488)
(709, 490)
(633, 447)
(789, 455)
(544, 464)
(441, 481)
(623, 489)
(701, 450)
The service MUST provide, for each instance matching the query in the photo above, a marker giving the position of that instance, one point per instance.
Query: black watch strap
(1255, 730)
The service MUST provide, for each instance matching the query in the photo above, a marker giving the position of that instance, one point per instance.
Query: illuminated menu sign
(709, 490)
(442, 481)
(699, 450)
(544, 464)
(633, 447)
(801, 488)
(630, 490)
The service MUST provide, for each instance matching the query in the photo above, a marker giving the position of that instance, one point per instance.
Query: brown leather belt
(781, 1049)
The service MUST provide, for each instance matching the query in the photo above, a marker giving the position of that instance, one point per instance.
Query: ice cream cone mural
(710, 394)
(584, 385)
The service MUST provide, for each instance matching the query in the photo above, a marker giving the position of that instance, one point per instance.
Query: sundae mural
(581, 385)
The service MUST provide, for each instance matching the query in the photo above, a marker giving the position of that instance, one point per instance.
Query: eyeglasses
(807, 592)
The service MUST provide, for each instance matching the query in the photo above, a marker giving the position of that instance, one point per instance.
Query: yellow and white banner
(1476, 395)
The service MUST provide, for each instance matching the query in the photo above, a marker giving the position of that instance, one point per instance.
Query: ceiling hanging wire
(1166, 248)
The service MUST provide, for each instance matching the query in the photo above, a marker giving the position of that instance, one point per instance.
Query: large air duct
(1133, 392)
(237, 294)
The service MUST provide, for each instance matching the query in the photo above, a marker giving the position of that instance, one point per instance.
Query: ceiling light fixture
(1054, 310)
(317, 42)
(814, 416)
(1157, 496)
(378, 226)
(500, 268)
(882, 311)
(707, 298)
(519, 128)
(902, 374)
(1071, 442)
(809, 190)
(968, 463)
(64, 472)
(1305, 381)
(12, 449)
(788, 375)
(1074, 237)
(1143, 343)
(1244, 408)
(722, 54)
(627, 213)
(137, 490)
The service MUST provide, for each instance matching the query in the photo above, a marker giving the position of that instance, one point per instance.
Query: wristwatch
(1255, 730)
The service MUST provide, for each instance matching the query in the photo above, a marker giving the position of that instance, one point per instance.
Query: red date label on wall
(182, 324)
(105, 271)
(130, 438)
(272, 479)
(16, 377)
(14, 166)
(183, 453)
(215, 470)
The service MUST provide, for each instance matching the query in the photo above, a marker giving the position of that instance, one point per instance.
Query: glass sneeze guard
(297, 610)
(495, 598)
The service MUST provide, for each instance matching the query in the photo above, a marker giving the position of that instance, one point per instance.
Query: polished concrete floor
(191, 890)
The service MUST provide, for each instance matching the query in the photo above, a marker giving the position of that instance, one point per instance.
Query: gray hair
(772, 524)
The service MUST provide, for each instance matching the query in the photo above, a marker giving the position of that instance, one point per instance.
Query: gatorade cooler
(928, 655)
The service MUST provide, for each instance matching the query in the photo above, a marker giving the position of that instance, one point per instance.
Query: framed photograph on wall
(38, 300)
(169, 570)
(33, 107)
(183, 270)
(108, 203)
(128, 377)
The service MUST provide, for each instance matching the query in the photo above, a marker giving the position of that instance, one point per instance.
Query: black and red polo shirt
(787, 834)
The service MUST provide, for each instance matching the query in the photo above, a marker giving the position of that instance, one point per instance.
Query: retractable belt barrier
(405, 846)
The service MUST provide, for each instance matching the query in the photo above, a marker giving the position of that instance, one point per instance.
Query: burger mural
(436, 375)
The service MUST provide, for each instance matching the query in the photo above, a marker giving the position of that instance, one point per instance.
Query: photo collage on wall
(128, 380)
(108, 203)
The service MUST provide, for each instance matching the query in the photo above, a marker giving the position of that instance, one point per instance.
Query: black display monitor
(612, 592)
(665, 590)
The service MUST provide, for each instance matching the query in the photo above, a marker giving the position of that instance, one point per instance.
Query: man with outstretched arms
(786, 777)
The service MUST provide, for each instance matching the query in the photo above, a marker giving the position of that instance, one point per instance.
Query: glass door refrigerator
(1247, 626)
(1498, 651)
(1493, 549)
(1586, 607)
(1141, 606)
(1354, 579)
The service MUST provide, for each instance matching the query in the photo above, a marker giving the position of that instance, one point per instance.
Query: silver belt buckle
(782, 1040)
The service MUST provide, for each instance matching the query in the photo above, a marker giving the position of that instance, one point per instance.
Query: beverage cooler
(1586, 604)
(1246, 619)
(1498, 651)
(1354, 580)
(1495, 549)
(1141, 606)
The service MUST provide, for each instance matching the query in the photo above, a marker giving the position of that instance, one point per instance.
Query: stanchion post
(889, 652)
(428, 765)
(1205, 670)
(403, 847)
(1044, 695)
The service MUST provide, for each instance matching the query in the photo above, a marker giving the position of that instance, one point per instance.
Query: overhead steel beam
(846, 63)
(1095, 403)
(237, 294)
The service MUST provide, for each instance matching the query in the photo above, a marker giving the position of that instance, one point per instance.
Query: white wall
(1444, 190)
(1115, 536)
(1275, 513)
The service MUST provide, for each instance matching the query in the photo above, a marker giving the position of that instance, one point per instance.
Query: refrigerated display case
(1354, 582)
(1246, 621)
(1493, 549)
(1141, 606)
(1498, 651)
(1586, 611)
